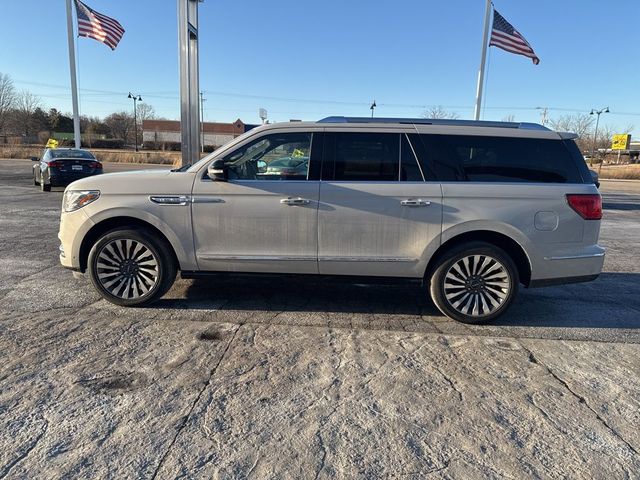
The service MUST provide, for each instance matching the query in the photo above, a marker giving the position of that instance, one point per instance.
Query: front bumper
(73, 228)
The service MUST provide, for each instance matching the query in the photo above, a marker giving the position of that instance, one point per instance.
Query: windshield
(64, 153)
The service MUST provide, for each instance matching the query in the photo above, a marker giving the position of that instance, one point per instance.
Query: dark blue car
(60, 166)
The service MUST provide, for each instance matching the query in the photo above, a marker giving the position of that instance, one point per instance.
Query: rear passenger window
(409, 169)
(497, 159)
(364, 156)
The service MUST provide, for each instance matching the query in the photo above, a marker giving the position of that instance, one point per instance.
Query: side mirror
(218, 171)
(35, 159)
(595, 178)
(262, 166)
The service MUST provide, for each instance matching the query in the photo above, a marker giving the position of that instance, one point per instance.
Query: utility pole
(595, 135)
(543, 115)
(135, 98)
(372, 107)
(202, 100)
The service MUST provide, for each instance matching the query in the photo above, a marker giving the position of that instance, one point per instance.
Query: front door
(264, 218)
(377, 214)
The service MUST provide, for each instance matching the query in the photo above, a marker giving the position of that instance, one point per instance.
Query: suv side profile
(470, 209)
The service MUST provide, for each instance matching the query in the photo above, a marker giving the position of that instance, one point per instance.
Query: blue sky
(308, 60)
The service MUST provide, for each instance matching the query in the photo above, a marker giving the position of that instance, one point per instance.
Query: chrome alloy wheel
(127, 268)
(476, 285)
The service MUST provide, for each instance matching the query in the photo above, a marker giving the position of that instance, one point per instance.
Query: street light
(135, 98)
(595, 135)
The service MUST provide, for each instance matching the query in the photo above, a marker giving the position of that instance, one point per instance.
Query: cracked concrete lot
(302, 379)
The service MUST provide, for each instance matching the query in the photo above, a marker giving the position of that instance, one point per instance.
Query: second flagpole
(483, 58)
(74, 81)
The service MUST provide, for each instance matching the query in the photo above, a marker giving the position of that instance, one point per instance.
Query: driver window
(283, 156)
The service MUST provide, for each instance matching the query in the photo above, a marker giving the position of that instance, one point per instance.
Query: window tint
(365, 156)
(497, 159)
(282, 156)
(409, 169)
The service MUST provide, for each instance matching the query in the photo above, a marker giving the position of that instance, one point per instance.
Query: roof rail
(435, 121)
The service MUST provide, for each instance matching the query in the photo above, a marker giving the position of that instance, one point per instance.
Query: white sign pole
(74, 81)
(483, 58)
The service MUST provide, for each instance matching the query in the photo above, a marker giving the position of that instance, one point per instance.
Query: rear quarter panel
(536, 216)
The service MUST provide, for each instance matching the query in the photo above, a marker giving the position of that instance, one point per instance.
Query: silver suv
(469, 209)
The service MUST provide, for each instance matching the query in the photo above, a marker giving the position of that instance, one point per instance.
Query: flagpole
(483, 58)
(74, 81)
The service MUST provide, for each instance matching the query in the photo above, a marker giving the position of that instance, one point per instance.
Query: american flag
(94, 25)
(504, 36)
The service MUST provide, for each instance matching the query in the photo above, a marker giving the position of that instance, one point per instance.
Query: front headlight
(75, 199)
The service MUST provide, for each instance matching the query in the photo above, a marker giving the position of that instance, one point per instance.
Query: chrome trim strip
(574, 257)
(205, 199)
(172, 200)
(368, 259)
(215, 256)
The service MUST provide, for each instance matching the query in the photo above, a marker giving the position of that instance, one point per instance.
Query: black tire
(474, 287)
(105, 267)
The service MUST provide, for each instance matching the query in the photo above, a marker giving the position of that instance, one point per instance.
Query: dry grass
(627, 172)
(113, 156)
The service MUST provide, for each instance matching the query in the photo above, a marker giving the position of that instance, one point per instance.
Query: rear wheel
(474, 283)
(129, 267)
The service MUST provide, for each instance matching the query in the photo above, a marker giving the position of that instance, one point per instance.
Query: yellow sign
(52, 143)
(621, 141)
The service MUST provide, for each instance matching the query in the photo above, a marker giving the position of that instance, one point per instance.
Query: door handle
(295, 201)
(415, 202)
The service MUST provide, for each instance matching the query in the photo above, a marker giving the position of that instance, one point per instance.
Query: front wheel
(474, 283)
(129, 267)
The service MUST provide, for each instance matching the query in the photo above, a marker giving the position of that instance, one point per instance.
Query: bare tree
(580, 124)
(120, 125)
(7, 98)
(23, 113)
(509, 118)
(145, 112)
(439, 111)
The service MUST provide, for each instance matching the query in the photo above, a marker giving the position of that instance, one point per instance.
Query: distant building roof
(235, 128)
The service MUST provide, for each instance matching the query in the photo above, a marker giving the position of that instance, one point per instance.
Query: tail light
(95, 165)
(587, 205)
(55, 164)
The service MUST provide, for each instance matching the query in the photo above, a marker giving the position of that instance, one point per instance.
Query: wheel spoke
(476, 285)
(127, 268)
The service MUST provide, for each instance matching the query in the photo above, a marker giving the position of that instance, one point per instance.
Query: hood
(145, 182)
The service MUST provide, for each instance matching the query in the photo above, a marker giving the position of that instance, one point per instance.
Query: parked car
(471, 210)
(60, 166)
(287, 167)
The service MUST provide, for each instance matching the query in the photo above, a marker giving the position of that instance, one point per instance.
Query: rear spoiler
(568, 135)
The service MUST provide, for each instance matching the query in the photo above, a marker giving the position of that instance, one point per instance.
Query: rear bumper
(60, 179)
(570, 268)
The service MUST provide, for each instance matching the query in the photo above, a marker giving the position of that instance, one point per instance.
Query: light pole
(372, 107)
(135, 98)
(595, 134)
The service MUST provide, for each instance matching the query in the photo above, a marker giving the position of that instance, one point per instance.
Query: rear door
(377, 214)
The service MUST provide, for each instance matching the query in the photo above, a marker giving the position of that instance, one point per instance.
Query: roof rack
(435, 121)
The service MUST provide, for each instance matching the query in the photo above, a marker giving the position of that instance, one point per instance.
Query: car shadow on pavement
(612, 301)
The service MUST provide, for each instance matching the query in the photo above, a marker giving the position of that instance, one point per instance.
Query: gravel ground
(302, 379)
